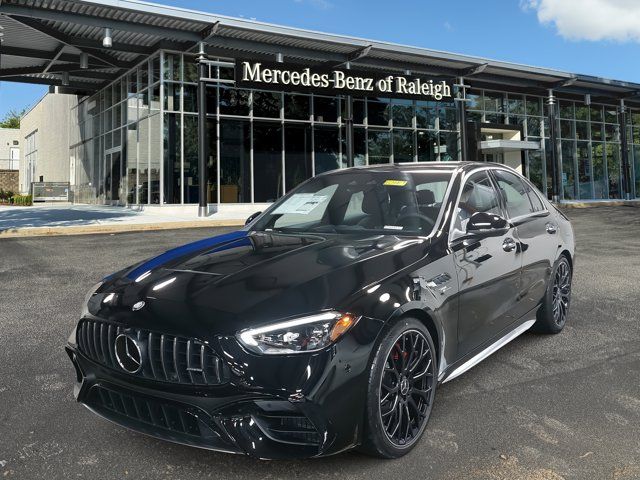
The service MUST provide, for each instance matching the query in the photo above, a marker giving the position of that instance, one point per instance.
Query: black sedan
(328, 322)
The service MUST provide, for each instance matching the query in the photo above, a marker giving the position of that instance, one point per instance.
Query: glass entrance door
(114, 184)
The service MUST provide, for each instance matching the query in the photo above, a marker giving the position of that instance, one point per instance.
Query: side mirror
(252, 217)
(483, 224)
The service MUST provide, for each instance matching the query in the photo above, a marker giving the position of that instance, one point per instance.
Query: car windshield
(388, 202)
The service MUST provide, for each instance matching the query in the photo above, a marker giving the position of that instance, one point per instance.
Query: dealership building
(175, 108)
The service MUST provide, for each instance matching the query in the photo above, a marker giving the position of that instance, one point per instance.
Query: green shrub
(6, 195)
(22, 200)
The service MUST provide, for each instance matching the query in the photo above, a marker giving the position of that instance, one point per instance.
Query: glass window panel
(379, 146)
(582, 130)
(613, 170)
(358, 111)
(402, 146)
(610, 115)
(190, 98)
(427, 146)
(448, 146)
(234, 101)
(403, 112)
(143, 76)
(599, 180)
(212, 100)
(612, 133)
(143, 161)
(190, 69)
(117, 92)
(171, 68)
(533, 127)
(132, 84)
(596, 131)
(325, 109)
(536, 172)
(377, 112)
(447, 118)
(154, 159)
(297, 107)
(585, 189)
(359, 147)
(172, 160)
(596, 113)
(582, 112)
(212, 161)
(635, 134)
(514, 193)
(566, 109)
(267, 104)
(494, 118)
(516, 104)
(426, 115)
(267, 161)
(133, 187)
(191, 176)
(327, 149)
(155, 98)
(297, 154)
(155, 69)
(566, 129)
(533, 106)
(172, 96)
(473, 99)
(568, 180)
(235, 162)
(117, 139)
(493, 101)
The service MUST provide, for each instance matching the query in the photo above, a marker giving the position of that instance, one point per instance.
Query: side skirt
(494, 347)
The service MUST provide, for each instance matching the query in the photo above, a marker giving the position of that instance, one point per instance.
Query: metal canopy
(44, 38)
(503, 146)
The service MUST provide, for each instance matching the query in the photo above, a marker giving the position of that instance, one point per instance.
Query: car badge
(138, 305)
(128, 353)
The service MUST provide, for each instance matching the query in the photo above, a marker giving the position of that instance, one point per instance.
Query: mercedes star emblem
(128, 353)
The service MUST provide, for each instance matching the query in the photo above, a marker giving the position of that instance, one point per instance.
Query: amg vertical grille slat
(150, 350)
(202, 365)
(112, 339)
(162, 355)
(165, 358)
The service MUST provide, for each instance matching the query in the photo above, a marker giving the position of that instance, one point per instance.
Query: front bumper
(317, 413)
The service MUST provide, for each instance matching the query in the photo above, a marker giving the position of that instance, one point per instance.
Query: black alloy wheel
(552, 315)
(561, 292)
(401, 390)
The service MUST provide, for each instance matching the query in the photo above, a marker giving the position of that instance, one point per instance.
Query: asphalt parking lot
(543, 407)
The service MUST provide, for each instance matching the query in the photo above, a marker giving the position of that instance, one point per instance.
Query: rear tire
(553, 312)
(401, 390)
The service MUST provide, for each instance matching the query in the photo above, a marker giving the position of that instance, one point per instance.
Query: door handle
(509, 244)
(551, 228)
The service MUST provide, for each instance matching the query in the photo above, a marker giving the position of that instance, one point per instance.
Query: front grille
(154, 416)
(289, 428)
(165, 358)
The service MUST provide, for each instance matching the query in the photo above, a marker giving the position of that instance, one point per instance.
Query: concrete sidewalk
(67, 219)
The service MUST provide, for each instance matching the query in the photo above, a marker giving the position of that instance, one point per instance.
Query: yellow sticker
(395, 183)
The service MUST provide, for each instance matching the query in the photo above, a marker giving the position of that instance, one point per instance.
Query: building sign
(287, 77)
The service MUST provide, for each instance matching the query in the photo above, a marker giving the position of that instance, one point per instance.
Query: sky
(595, 37)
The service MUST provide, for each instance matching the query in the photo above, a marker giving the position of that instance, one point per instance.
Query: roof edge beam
(91, 21)
(475, 70)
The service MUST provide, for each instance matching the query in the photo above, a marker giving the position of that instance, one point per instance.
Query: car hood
(244, 279)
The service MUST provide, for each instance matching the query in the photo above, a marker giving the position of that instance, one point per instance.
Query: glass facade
(136, 141)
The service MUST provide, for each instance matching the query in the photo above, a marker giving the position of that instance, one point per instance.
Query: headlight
(306, 334)
(87, 297)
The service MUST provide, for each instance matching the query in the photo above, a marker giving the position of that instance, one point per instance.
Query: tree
(12, 118)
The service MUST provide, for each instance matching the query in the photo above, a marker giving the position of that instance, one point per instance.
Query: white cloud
(592, 20)
(448, 27)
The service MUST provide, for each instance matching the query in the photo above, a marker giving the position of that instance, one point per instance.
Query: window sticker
(393, 227)
(395, 183)
(300, 203)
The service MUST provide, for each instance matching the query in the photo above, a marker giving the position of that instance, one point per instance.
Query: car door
(488, 268)
(536, 230)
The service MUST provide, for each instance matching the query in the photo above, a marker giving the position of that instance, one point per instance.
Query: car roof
(416, 166)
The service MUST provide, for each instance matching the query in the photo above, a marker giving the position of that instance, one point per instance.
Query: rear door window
(514, 193)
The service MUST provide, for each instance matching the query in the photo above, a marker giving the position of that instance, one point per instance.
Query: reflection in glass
(426, 115)
(449, 146)
(378, 112)
(266, 104)
(297, 154)
(359, 147)
(379, 146)
(599, 181)
(403, 112)
(613, 170)
(234, 101)
(172, 147)
(403, 146)
(190, 174)
(427, 146)
(235, 161)
(297, 107)
(325, 109)
(568, 180)
(267, 161)
(327, 149)
(584, 171)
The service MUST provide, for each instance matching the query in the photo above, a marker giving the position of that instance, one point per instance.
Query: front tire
(552, 315)
(401, 390)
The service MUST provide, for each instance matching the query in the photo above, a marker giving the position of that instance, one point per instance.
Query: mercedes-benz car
(329, 320)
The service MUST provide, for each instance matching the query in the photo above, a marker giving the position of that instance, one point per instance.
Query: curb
(103, 229)
(606, 203)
